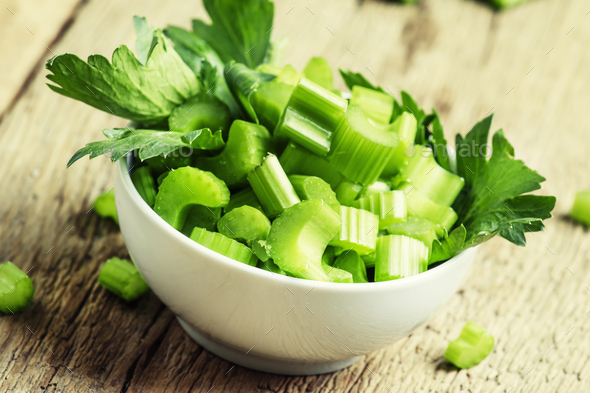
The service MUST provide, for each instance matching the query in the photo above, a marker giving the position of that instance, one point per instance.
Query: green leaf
(240, 30)
(357, 79)
(243, 82)
(149, 143)
(319, 71)
(440, 143)
(145, 42)
(471, 163)
(126, 88)
(449, 246)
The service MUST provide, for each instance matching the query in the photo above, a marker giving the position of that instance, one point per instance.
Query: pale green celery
(358, 230)
(104, 206)
(244, 223)
(200, 111)
(352, 263)
(269, 102)
(185, 187)
(241, 198)
(434, 182)
(416, 227)
(123, 279)
(375, 188)
(338, 275)
(202, 217)
(144, 184)
(298, 238)
(581, 208)
(319, 71)
(270, 266)
(272, 186)
(405, 126)
(390, 207)
(398, 257)
(473, 345)
(304, 131)
(16, 289)
(377, 105)
(224, 246)
(289, 76)
(259, 249)
(297, 160)
(312, 187)
(347, 191)
(360, 150)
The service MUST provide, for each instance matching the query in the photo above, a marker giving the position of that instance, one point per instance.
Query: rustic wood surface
(529, 65)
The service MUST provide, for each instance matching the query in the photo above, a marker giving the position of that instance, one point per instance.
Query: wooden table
(529, 65)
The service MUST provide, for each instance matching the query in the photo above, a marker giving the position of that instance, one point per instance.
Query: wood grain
(457, 56)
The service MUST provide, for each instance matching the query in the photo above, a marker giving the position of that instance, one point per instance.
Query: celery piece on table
(244, 223)
(144, 184)
(224, 245)
(390, 207)
(104, 206)
(16, 289)
(473, 345)
(581, 208)
(377, 105)
(399, 256)
(312, 187)
(123, 279)
(358, 230)
(352, 263)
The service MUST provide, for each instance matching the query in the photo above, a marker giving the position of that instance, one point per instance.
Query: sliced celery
(473, 345)
(338, 275)
(270, 266)
(244, 224)
(347, 191)
(416, 227)
(200, 111)
(299, 237)
(269, 102)
(297, 160)
(224, 246)
(434, 182)
(360, 150)
(184, 188)
(246, 197)
(369, 260)
(352, 263)
(144, 184)
(581, 208)
(246, 146)
(358, 230)
(328, 256)
(161, 177)
(398, 257)
(390, 207)
(301, 129)
(375, 188)
(312, 187)
(123, 279)
(202, 217)
(289, 76)
(272, 186)
(16, 289)
(319, 71)
(405, 126)
(160, 165)
(259, 249)
(377, 105)
(104, 206)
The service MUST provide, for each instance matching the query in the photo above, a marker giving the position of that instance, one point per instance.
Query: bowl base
(260, 363)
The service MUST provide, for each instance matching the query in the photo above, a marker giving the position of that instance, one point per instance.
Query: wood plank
(456, 56)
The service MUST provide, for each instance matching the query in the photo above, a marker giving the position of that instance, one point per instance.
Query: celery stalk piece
(581, 208)
(434, 182)
(123, 279)
(360, 150)
(390, 207)
(347, 191)
(16, 289)
(298, 238)
(202, 217)
(272, 186)
(244, 223)
(328, 256)
(338, 275)
(224, 245)
(259, 249)
(319, 71)
(162, 176)
(299, 128)
(405, 126)
(289, 76)
(200, 111)
(369, 260)
(144, 184)
(399, 256)
(297, 160)
(377, 105)
(246, 147)
(270, 266)
(352, 263)
(246, 197)
(375, 188)
(420, 206)
(473, 345)
(269, 102)
(160, 165)
(184, 188)
(312, 187)
(417, 228)
(358, 230)
(104, 206)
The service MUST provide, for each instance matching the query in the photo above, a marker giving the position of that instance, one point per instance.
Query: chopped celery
(104, 206)
(405, 126)
(16, 289)
(297, 160)
(244, 224)
(184, 188)
(272, 186)
(347, 191)
(358, 230)
(202, 217)
(399, 256)
(144, 184)
(246, 197)
(581, 209)
(390, 207)
(352, 263)
(337, 275)
(369, 259)
(360, 150)
(246, 146)
(312, 187)
(377, 105)
(160, 165)
(123, 279)
(259, 249)
(270, 266)
(269, 102)
(224, 246)
(375, 188)
(304, 131)
(473, 345)
(200, 111)
(434, 182)
(416, 227)
(319, 71)
(299, 237)
(161, 177)
(328, 256)
(289, 76)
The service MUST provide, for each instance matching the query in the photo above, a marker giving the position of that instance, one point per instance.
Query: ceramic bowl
(270, 322)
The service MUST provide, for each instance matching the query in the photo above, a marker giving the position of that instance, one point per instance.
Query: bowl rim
(440, 270)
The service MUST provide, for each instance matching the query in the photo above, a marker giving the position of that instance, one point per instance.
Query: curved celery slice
(360, 150)
(581, 208)
(269, 102)
(337, 275)
(202, 217)
(434, 182)
(405, 127)
(398, 257)
(376, 188)
(347, 191)
(246, 147)
(416, 227)
(244, 224)
(104, 206)
(352, 263)
(312, 187)
(184, 188)
(272, 186)
(246, 197)
(270, 266)
(16, 289)
(200, 111)
(304, 131)
(144, 184)
(319, 71)
(358, 230)
(123, 279)
(297, 160)
(161, 165)
(224, 246)
(377, 105)
(299, 237)
(259, 249)
(390, 207)
(473, 345)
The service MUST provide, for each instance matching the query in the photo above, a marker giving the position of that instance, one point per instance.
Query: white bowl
(271, 322)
